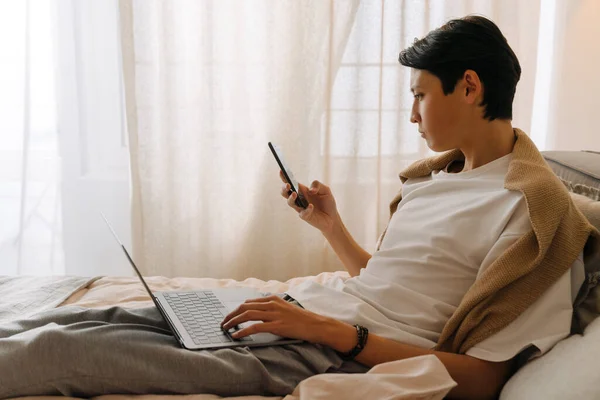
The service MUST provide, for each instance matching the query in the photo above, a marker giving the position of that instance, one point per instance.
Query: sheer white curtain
(208, 84)
(63, 154)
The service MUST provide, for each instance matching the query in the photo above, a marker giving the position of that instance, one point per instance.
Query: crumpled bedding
(422, 377)
(23, 296)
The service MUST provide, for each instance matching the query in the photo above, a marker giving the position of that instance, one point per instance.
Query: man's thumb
(315, 186)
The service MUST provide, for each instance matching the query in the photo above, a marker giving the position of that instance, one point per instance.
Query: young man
(471, 268)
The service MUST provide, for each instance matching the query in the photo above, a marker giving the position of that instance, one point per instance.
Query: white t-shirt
(447, 230)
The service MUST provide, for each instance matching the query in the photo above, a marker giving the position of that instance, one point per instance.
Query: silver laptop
(195, 316)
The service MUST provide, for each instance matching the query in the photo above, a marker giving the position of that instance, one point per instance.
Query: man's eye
(418, 96)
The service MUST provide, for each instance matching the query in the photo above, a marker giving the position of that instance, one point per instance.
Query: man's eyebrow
(412, 89)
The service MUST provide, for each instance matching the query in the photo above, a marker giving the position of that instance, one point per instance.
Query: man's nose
(415, 118)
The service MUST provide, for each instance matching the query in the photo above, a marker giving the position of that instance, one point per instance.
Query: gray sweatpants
(82, 352)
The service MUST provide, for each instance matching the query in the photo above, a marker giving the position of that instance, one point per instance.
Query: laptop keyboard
(201, 314)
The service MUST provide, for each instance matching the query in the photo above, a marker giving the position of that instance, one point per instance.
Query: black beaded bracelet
(362, 333)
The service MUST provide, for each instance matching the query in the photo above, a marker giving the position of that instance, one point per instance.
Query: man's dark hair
(475, 43)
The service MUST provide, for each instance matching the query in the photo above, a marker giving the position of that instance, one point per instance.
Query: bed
(547, 377)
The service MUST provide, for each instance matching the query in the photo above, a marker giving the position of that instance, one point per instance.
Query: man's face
(440, 118)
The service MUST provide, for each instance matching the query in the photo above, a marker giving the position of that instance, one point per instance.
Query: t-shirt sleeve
(543, 324)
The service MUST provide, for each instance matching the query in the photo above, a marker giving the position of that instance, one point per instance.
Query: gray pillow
(579, 171)
(587, 304)
(593, 193)
(588, 207)
(577, 167)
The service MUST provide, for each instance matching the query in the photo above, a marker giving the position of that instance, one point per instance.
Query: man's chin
(437, 147)
(433, 146)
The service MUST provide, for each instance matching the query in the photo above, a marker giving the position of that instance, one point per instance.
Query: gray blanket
(23, 296)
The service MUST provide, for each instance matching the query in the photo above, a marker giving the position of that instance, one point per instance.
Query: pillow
(581, 189)
(587, 304)
(579, 171)
(589, 207)
(576, 167)
(568, 371)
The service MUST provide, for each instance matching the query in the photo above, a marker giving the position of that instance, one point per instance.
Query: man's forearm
(476, 379)
(349, 252)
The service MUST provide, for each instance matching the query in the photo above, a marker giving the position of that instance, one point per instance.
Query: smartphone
(289, 176)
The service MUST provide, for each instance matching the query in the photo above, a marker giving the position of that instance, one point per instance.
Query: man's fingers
(251, 315)
(254, 328)
(245, 317)
(314, 187)
(251, 304)
(265, 299)
(261, 303)
(303, 189)
(285, 190)
(291, 199)
(287, 193)
(292, 202)
(282, 176)
(304, 214)
(317, 187)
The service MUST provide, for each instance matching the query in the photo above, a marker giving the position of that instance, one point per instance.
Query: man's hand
(322, 210)
(322, 213)
(278, 317)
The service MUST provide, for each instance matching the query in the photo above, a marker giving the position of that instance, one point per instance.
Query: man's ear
(473, 88)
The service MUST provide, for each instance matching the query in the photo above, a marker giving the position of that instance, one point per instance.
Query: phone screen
(289, 176)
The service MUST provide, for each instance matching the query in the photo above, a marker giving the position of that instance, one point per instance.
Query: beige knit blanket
(532, 264)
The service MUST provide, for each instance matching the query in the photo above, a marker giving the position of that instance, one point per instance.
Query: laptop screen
(129, 258)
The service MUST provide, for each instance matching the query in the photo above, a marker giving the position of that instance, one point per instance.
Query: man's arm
(476, 379)
(352, 255)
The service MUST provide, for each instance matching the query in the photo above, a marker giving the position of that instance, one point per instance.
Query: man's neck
(493, 140)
